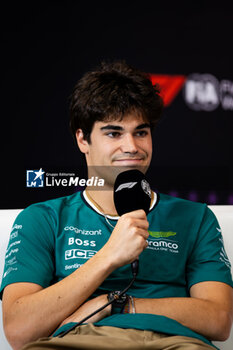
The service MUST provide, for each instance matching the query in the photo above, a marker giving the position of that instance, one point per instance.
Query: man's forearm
(31, 312)
(202, 316)
(38, 314)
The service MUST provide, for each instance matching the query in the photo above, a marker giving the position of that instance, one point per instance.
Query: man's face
(116, 146)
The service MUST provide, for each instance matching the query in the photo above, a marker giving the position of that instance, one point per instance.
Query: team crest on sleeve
(223, 255)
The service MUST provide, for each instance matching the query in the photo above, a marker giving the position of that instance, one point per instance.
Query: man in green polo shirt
(66, 255)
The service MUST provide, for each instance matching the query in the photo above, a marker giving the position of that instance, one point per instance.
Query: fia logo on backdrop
(35, 178)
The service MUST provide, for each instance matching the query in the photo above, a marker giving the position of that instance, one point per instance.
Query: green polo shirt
(50, 240)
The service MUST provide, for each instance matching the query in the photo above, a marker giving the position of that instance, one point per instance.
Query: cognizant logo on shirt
(83, 231)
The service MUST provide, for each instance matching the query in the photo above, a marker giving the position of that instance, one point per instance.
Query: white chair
(7, 217)
(223, 213)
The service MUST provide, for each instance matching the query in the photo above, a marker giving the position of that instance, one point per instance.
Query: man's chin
(110, 173)
(119, 169)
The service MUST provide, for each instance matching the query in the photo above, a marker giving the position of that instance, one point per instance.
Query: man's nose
(129, 144)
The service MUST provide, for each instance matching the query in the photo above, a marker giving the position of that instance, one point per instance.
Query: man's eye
(113, 134)
(142, 133)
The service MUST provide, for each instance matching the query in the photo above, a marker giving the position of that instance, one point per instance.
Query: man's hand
(128, 239)
(88, 308)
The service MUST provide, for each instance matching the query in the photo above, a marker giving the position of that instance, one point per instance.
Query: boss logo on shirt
(79, 241)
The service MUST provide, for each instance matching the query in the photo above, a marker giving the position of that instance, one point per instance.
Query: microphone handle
(135, 267)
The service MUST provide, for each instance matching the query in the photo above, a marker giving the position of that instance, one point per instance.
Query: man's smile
(129, 158)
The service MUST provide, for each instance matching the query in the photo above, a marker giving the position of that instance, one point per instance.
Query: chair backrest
(7, 217)
(224, 215)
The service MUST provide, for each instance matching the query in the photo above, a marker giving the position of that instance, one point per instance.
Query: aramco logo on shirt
(159, 234)
(161, 240)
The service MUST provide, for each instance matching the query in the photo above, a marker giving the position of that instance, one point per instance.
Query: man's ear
(82, 143)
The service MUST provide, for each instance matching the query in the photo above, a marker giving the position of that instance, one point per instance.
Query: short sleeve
(208, 260)
(30, 252)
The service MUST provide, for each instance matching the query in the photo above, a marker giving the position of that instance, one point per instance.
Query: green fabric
(50, 240)
(163, 325)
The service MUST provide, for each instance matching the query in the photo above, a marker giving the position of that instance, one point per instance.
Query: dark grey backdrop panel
(45, 49)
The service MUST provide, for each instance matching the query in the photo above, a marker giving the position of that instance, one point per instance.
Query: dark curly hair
(109, 93)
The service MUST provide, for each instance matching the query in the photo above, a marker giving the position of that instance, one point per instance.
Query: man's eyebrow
(143, 126)
(111, 127)
(120, 128)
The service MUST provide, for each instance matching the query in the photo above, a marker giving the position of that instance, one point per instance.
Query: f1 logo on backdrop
(201, 92)
(170, 86)
(35, 178)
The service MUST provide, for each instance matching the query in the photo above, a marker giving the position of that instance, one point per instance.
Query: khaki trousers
(90, 337)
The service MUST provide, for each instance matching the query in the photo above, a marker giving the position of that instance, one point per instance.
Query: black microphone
(132, 192)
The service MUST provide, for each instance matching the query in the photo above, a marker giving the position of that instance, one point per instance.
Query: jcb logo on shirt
(79, 253)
